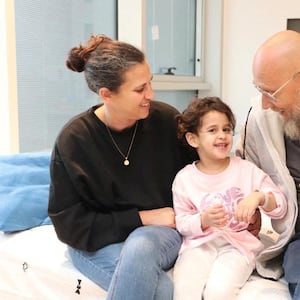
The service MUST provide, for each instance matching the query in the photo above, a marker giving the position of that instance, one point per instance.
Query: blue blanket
(24, 190)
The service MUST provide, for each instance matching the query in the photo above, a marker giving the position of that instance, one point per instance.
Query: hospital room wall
(245, 25)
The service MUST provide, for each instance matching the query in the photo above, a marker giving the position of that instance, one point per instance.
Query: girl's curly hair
(191, 118)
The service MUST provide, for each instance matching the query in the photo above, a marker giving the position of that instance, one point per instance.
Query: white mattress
(34, 265)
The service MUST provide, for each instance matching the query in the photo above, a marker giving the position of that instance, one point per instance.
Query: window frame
(134, 32)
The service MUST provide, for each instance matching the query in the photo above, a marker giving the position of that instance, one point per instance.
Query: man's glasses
(272, 95)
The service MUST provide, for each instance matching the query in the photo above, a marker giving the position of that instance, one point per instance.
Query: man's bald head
(280, 54)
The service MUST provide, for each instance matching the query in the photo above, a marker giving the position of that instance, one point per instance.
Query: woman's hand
(161, 216)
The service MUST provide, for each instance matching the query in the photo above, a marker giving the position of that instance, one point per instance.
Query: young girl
(214, 200)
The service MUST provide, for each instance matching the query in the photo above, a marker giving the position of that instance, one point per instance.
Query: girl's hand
(214, 216)
(246, 207)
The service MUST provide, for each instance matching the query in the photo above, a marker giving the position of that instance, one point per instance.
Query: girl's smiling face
(214, 137)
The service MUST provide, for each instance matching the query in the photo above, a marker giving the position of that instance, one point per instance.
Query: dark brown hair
(104, 61)
(191, 118)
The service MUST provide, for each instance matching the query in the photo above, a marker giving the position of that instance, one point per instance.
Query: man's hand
(255, 223)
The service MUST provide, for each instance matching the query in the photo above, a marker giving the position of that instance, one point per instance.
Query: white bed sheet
(34, 265)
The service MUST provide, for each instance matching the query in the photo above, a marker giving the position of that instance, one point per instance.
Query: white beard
(292, 126)
(292, 130)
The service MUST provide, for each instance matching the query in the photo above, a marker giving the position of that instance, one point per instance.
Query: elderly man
(271, 139)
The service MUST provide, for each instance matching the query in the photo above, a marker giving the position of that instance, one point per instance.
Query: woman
(112, 169)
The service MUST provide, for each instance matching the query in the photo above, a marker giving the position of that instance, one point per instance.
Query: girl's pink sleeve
(269, 186)
(187, 216)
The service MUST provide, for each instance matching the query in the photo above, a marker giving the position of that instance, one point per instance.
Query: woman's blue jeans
(134, 269)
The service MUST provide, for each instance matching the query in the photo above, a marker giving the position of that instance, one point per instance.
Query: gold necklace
(126, 161)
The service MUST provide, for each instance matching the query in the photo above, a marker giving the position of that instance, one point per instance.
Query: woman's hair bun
(77, 56)
(75, 61)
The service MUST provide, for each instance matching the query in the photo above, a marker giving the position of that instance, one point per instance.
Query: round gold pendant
(126, 162)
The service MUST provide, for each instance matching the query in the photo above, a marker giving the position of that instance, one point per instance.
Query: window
(37, 34)
(48, 93)
(173, 42)
(155, 24)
